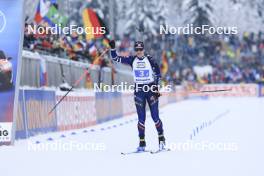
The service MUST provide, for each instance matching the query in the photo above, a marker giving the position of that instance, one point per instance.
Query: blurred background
(52, 60)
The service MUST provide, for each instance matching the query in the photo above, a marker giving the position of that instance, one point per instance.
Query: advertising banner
(261, 90)
(108, 106)
(11, 33)
(37, 105)
(77, 110)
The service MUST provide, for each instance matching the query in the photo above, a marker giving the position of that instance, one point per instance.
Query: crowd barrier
(108, 106)
(33, 109)
(76, 110)
(40, 70)
(81, 109)
(261, 90)
(231, 90)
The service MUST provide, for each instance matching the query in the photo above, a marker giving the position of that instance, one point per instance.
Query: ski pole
(77, 82)
(209, 91)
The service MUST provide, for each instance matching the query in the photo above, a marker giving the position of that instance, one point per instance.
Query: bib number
(142, 73)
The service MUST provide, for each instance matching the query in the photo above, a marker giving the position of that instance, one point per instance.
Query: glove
(156, 91)
(157, 94)
(112, 44)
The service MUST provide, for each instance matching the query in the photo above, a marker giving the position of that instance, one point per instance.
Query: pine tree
(144, 14)
(260, 7)
(200, 12)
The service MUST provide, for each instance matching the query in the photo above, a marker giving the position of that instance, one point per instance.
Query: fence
(60, 70)
(85, 108)
(78, 110)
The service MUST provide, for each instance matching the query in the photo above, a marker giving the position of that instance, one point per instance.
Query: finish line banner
(11, 33)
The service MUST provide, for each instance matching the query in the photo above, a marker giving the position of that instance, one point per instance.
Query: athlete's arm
(122, 59)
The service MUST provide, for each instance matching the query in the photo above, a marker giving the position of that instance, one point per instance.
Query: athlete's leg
(140, 102)
(153, 102)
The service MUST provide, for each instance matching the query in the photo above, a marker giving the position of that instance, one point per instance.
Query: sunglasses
(138, 49)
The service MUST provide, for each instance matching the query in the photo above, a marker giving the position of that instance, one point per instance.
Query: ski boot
(161, 142)
(142, 144)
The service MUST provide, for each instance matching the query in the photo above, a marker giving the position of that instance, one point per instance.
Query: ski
(159, 151)
(135, 152)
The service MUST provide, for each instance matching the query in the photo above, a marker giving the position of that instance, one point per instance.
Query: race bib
(143, 73)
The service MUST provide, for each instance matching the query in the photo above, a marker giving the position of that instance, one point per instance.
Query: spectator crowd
(231, 58)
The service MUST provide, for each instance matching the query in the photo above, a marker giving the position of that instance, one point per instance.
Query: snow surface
(239, 121)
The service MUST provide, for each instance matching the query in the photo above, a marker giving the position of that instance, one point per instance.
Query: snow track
(236, 123)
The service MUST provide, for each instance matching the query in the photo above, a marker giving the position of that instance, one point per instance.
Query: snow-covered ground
(236, 123)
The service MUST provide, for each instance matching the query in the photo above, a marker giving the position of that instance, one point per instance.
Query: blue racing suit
(146, 74)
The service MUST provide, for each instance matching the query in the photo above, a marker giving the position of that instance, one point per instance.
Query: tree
(200, 12)
(146, 14)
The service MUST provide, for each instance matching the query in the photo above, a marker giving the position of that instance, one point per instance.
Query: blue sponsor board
(35, 107)
(108, 106)
(20, 120)
(261, 90)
